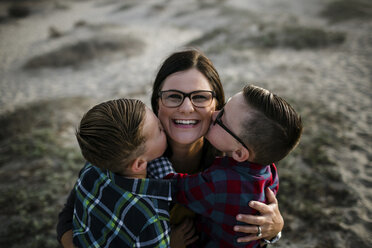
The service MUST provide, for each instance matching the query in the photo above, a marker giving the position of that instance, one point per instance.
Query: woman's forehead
(186, 81)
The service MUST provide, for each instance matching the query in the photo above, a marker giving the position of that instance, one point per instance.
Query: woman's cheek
(164, 119)
(207, 121)
(209, 115)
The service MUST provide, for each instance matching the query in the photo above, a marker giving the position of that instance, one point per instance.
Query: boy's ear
(242, 154)
(138, 165)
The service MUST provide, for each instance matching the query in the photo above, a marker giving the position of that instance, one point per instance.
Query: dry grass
(37, 170)
(76, 54)
(312, 192)
(298, 37)
(269, 37)
(343, 10)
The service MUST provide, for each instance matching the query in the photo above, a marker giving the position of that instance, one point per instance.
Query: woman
(185, 77)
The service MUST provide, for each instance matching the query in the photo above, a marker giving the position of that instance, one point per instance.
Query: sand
(95, 50)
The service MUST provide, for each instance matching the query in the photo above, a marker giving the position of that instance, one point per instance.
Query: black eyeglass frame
(220, 123)
(184, 95)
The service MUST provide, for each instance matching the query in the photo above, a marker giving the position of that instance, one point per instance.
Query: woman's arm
(64, 225)
(270, 220)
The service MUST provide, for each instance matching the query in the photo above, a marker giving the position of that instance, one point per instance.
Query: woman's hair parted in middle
(110, 134)
(182, 61)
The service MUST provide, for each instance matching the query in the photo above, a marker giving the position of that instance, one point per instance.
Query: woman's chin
(186, 139)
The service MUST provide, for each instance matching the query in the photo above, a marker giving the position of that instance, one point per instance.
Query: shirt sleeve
(159, 168)
(196, 192)
(156, 234)
(65, 216)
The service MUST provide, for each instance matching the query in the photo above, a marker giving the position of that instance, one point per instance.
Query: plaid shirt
(114, 211)
(222, 192)
(159, 168)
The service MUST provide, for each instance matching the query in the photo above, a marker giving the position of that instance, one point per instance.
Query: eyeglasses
(219, 122)
(175, 98)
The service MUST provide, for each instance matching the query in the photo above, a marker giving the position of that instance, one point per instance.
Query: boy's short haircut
(272, 129)
(110, 134)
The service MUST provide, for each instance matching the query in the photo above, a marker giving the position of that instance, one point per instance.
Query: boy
(254, 129)
(116, 206)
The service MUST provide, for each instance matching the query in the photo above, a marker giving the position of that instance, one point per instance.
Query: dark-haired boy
(255, 129)
(116, 205)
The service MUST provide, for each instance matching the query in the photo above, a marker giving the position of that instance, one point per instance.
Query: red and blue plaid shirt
(222, 192)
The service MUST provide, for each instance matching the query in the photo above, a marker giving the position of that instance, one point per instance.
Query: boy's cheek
(211, 134)
(207, 135)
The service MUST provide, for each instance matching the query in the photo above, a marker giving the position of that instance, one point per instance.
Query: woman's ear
(241, 155)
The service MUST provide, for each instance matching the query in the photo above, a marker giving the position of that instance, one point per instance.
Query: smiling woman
(186, 124)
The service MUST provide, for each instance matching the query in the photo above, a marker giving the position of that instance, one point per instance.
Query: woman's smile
(182, 123)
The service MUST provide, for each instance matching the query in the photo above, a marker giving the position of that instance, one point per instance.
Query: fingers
(188, 231)
(256, 220)
(192, 240)
(246, 229)
(265, 208)
(186, 225)
(270, 196)
(248, 238)
(260, 207)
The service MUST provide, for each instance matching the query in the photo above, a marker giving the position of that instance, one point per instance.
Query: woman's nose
(187, 105)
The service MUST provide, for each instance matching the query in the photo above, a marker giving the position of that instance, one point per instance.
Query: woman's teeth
(185, 122)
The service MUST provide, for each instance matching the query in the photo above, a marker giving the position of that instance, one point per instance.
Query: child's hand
(183, 234)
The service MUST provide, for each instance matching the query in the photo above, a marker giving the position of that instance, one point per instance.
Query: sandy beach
(58, 58)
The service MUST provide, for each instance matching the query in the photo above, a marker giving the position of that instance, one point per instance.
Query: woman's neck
(186, 158)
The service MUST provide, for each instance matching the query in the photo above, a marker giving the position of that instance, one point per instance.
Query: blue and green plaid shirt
(114, 211)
